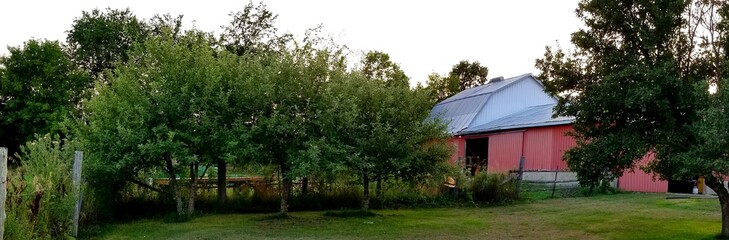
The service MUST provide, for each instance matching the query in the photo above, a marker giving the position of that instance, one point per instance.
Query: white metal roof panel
(459, 110)
(537, 116)
(458, 114)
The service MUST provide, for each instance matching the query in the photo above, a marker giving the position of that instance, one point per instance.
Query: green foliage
(39, 88)
(154, 115)
(178, 102)
(40, 197)
(495, 187)
(628, 84)
(285, 130)
(442, 87)
(252, 31)
(462, 76)
(381, 132)
(638, 81)
(469, 74)
(98, 39)
(377, 65)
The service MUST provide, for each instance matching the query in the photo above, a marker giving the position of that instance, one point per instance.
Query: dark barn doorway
(681, 186)
(477, 152)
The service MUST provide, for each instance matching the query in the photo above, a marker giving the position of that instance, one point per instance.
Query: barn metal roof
(460, 109)
(491, 86)
(537, 116)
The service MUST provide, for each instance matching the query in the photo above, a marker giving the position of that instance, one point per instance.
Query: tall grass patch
(40, 197)
(495, 187)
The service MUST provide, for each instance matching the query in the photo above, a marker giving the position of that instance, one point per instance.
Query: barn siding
(459, 145)
(562, 143)
(544, 148)
(640, 181)
(504, 151)
(538, 148)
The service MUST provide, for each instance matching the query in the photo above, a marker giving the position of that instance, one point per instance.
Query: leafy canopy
(98, 38)
(636, 83)
(39, 88)
(377, 65)
(462, 76)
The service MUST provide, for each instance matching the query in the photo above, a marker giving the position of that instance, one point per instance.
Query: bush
(494, 187)
(40, 199)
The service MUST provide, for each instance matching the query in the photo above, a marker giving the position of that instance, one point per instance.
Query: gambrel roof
(517, 102)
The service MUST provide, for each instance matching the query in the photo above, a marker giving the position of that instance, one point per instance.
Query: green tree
(252, 31)
(165, 24)
(236, 105)
(377, 65)
(380, 132)
(706, 154)
(626, 89)
(441, 87)
(637, 82)
(462, 76)
(469, 74)
(156, 115)
(98, 38)
(285, 130)
(39, 88)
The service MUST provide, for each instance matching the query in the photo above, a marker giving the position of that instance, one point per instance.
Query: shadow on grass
(719, 236)
(275, 217)
(350, 214)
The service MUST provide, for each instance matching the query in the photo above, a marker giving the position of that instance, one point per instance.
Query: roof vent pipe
(496, 79)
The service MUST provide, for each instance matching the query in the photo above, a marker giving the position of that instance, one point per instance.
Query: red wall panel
(639, 181)
(504, 151)
(538, 148)
(544, 148)
(562, 143)
(459, 145)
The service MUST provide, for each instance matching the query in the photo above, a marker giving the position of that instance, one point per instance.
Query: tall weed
(495, 187)
(40, 197)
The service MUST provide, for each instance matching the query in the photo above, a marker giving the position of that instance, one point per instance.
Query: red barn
(497, 123)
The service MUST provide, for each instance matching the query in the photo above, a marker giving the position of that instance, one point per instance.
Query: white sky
(422, 36)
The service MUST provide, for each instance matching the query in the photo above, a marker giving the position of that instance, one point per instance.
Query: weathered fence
(3, 187)
(77, 180)
(77, 161)
(556, 183)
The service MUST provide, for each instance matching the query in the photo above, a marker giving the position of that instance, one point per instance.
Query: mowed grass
(620, 216)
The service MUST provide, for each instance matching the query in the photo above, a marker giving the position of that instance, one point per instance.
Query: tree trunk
(222, 183)
(178, 199)
(378, 191)
(174, 185)
(725, 219)
(717, 185)
(285, 187)
(191, 196)
(304, 186)
(366, 195)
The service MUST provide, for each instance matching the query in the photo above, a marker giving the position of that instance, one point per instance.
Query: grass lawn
(621, 216)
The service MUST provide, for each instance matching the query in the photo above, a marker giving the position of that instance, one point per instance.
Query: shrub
(494, 187)
(40, 198)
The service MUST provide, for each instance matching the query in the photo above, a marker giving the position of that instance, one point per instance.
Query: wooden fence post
(520, 177)
(3, 187)
(554, 184)
(77, 161)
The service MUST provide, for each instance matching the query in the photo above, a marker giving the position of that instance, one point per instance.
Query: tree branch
(144, 185)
